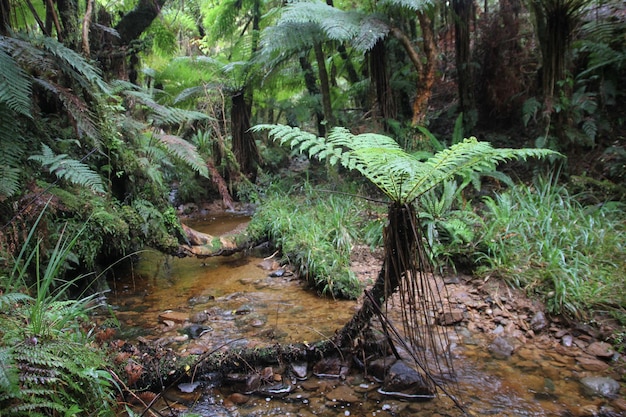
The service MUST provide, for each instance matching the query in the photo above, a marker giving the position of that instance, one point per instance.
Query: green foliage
(48, 363)
(15, 85)
(69, 169)
(542, 239)
(400, 176)
(315, 232)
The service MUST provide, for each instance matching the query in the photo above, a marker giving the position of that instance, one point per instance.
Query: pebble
(600, 386)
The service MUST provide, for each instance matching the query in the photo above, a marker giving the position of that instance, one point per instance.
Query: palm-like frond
(186, 152)
(69, 169)
(161, 115)
(13, 148)
(15, 84)
(401, 176)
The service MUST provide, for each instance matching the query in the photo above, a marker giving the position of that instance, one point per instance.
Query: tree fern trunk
(324, 83)
(427, 75)
(244, 147)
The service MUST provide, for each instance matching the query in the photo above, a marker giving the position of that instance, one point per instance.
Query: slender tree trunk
(244, 147)
(320, 58)
(380, 78)
(311, 85)
(427, 76)
(5, 13)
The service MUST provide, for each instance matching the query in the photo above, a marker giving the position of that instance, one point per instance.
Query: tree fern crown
(399, 175)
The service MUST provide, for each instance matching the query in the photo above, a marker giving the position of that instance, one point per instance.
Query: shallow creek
(248, 305)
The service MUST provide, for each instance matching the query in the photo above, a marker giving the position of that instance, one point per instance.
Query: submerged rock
(600, 386)
(501, 348)
(404, 382)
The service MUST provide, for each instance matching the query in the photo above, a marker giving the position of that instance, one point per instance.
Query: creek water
(246, 306)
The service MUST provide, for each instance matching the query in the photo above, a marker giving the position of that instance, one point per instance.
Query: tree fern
(69, 169)
(15, 84)
(161, 116)
(399, 175)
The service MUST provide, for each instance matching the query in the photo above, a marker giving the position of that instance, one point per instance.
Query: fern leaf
(186, 152)
(9, 381)
(69, 169)
(77, 109)
(15, 84)
(163, 115)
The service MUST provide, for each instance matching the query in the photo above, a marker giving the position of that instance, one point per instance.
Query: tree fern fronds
(190, 93)
(74, 64)
(69, 169)
(371, 30)
(401, 176)
(184, 151)
(15, 85)
(77, 109)
(163, 115)
(9, 381)
(414, 5)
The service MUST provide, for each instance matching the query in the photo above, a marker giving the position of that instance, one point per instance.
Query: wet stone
(451, 317)
(539, 322)
(600, 386)
(299, 369)
(404, 382)
(199, 317)
(501, 348)
(600, 349)
(342, 394)
(378, 368)
(175, 316)
(331, 368)
(591, 364)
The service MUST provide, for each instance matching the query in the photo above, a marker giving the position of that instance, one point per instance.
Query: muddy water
(245, 306)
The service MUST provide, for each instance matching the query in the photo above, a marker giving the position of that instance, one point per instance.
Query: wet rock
(299, 369)
(175, 316)
(539, 322)
(200, 299)
(278, 273)
(238, 398)
(205, 408)
(600, 349)
(188, 387)
(280, 389)
(244, 309)
(268, 264)
(196, 330)
(600, 386)
(591, 364)
(199, 317)
(342, 394)
(449, 318)
(378, 368)
(501, 348)
(404, 382)
(567, 340)
(331, 368)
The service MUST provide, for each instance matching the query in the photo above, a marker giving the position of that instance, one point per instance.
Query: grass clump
(542, 239)
(315, 231)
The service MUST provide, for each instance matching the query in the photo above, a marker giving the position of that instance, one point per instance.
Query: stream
(196, 306)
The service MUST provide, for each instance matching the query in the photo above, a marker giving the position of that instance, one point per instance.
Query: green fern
(69, 169)
(161, 116)
(15, 84)
(399, 175)
(184, 151)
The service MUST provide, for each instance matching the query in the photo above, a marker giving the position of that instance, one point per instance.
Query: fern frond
(9, 299)
(15, 84)
(69, 169)
(184, 151)
(401, 176)
(163, 115)
(9, 381)
(74, 64)
(77, 109)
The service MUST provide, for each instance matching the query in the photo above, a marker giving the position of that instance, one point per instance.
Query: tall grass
(540, 238)
(315, 231)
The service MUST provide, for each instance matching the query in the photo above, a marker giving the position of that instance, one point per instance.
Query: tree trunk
(427, 76)
(320, 58)
(244, 147)
(463, 9)
(380, 78)
(311, 85)
(5, 13)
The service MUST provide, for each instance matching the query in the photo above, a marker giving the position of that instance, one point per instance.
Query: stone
(199, 317)
(591, 364)
(299, 369)
(449, 318)
(331, 368)
(539, 321)
(404, 382)
(342, 394)
(600, 386)
(501, 348)
(600, 349)
(378, 368)
(173, 316)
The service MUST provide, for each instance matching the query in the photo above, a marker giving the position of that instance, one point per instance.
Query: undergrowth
(542, 239)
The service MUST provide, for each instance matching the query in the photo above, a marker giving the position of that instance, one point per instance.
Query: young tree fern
(406, 266)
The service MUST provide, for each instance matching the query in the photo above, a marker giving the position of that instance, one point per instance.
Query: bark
(202, 245)
(425, 71)
(5, 13)
(463, 10)
(311, 85)
(380, 78)
(244, 146)
(86, 25)
(134, 23)
(320, 58)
